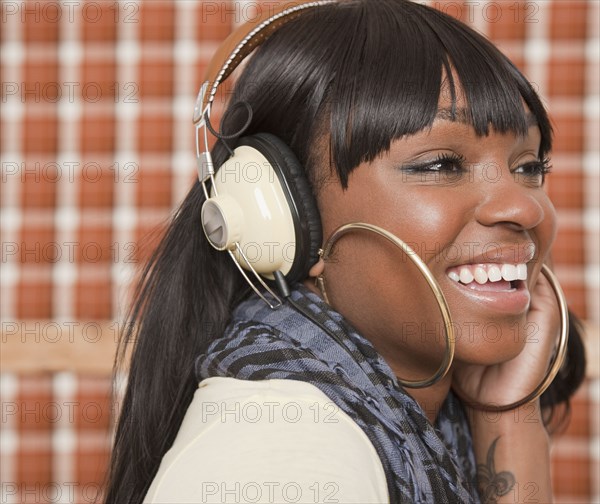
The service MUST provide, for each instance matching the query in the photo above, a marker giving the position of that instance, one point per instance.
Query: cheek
(379, 290)
(548, 228)
(371, 281)
(378, 195)
(429, 222)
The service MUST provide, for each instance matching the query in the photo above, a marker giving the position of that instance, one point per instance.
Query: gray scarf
(423, 463)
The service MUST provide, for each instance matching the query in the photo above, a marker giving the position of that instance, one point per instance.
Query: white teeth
(483, 273)
(509, 272)
(481, 276)
(494, 274)
(465, 276)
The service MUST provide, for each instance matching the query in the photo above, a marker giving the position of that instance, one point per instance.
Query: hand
(510, 381)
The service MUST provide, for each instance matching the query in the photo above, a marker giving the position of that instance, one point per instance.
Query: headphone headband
(240, 44)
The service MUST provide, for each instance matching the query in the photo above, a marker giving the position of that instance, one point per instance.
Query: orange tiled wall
(97, 150)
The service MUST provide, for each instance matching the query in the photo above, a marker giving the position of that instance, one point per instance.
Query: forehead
(462, 115)
(453, 104)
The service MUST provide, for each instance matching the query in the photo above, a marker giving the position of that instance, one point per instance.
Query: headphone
(259, 206)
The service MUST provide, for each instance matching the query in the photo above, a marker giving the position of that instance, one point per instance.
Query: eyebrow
(460, 115)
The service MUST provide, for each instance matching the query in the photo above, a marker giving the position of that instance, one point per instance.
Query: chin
(491, 344)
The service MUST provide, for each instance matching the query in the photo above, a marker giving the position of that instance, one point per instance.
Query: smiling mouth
(500, 277)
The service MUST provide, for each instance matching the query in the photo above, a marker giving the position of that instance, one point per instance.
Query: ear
(317, 269)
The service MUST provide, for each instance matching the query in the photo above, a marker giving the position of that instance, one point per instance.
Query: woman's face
(470, 207)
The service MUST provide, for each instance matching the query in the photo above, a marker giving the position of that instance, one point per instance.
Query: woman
(404, 119)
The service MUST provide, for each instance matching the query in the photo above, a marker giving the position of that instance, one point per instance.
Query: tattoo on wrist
(491, 484)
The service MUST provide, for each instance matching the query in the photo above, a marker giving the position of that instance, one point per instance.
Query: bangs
(408, 58)
(369, 72)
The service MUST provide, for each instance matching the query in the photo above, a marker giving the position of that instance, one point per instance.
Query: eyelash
(536, 169)
(455, 163)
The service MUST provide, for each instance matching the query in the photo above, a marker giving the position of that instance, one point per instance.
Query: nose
(508, 202)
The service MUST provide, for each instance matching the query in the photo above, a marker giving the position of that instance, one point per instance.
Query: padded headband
(241, 43)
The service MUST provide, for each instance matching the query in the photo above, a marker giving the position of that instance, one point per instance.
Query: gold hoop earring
(557, 359)
(431, 281)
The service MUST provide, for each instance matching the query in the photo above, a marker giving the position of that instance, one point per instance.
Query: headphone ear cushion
(303, 206)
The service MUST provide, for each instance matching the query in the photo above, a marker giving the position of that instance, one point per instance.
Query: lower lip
(515, 301)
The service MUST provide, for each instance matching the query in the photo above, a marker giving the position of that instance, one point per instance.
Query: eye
(445, 168)
(533, 173)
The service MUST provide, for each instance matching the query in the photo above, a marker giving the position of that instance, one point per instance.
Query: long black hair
(360, 73)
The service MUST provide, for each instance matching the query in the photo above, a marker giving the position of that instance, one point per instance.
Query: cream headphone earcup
(264, 204)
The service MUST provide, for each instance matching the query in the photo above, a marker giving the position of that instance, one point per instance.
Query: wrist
(524, 421)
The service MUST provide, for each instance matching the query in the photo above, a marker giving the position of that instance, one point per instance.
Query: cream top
(271, 441)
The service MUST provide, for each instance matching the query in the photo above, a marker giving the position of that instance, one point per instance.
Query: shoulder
(268, 441)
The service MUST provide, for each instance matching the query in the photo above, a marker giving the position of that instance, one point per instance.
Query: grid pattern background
(97, 150)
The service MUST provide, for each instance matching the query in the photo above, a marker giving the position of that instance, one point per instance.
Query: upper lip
(508, 254)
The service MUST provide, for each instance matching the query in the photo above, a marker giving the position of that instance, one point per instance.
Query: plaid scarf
(423, 463)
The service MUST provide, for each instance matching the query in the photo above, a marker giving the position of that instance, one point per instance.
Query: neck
(431, 398)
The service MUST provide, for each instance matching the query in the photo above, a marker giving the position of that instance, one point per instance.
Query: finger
(543, 296)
